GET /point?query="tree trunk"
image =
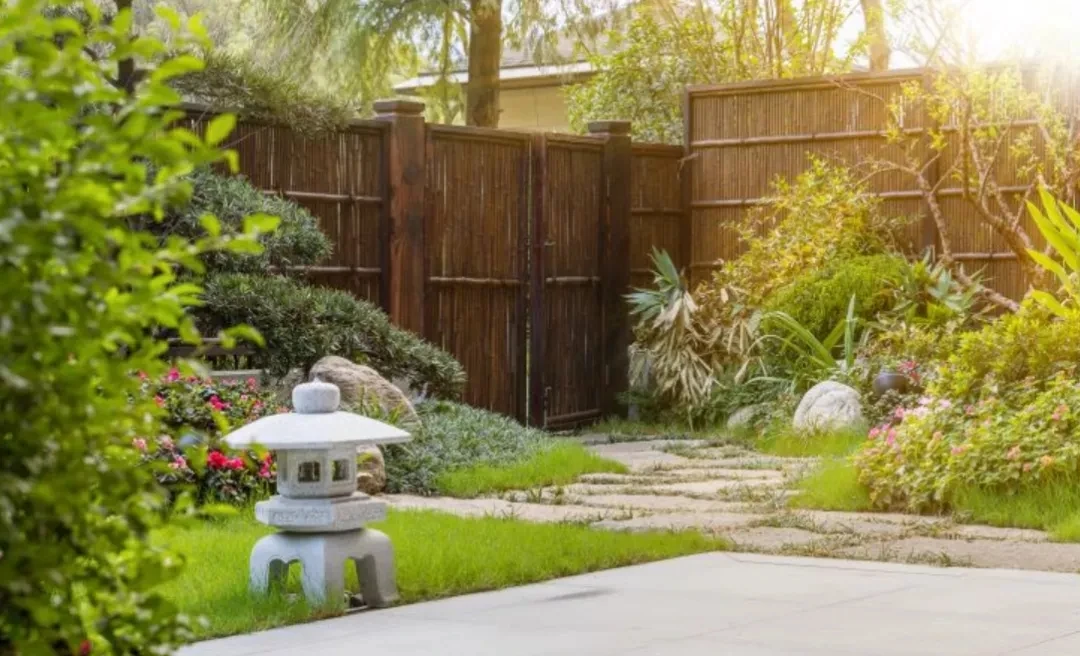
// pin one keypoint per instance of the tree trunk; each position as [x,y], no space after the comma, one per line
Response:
[874,15]
[485,54]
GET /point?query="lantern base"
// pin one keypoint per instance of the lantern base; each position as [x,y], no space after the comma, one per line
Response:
[322,558]
[323,515]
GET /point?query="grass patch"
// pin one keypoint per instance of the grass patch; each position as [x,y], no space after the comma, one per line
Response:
[834,485]
[1053,506]
[786,441]
[561,464]
[619,429]
[438,555]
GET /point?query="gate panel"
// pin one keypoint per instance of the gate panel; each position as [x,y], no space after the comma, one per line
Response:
[475,241]
[567,314]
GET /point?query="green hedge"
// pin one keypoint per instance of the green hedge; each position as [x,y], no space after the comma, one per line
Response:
[298,241]
[819,300]
[301,323]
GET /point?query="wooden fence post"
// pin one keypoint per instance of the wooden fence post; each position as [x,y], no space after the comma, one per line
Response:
[404,258]
[615,259]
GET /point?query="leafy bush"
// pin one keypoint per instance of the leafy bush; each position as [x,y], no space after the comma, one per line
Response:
[301,324]
[1025,436]
[819,300]
[296,242]
[455,436]
[825,215]
[83,296]
[1016,347]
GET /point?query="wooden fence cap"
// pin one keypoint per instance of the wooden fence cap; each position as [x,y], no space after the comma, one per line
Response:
[398,106]
[609,127]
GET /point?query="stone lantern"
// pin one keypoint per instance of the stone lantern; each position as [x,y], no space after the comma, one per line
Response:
[318,508]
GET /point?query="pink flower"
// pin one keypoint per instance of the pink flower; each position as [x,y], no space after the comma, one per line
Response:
[957,450]
[890,437]
[1013,453]
[139,443]
[1059,412]
[142,375]
[174,375]
[178,463]
[217,404]
[166,442]
[160,401]
[874,432]
[925,400]
[235,464]
[945,404]
[969,410]
[898,413]
[251,383]
[191,379]
[1027,466]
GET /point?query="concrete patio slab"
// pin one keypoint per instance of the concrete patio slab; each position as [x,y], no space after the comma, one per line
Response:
[712,604]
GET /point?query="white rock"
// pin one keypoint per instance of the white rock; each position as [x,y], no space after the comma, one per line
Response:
[745,416]
[829,406]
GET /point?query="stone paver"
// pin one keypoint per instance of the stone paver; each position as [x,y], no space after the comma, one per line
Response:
[714,604]
[656,503]
[1043,556]
[712,522]
[534,512]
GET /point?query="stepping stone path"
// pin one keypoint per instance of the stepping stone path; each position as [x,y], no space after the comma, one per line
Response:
[739,494]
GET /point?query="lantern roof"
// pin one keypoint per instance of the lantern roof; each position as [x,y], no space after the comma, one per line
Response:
[316,423]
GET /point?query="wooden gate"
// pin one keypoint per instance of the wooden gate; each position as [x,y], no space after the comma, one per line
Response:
[476,266]
[580,274]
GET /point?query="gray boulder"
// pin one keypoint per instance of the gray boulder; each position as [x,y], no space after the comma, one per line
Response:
[745,416]
[829,406]
[361,385]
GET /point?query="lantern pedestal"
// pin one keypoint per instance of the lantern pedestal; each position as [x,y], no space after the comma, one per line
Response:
[322,558]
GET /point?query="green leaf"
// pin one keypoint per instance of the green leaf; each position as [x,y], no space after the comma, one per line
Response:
[256,224]
[1049,302]
[219,128]
[210,224]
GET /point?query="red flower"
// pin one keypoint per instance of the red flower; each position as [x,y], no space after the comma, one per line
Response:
[174,375]
[235,464]
[160,400]
[85,648]
[217,403]
[216,460]
[142,375]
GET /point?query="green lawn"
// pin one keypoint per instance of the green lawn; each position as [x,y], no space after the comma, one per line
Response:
[562,464]
[1053,506]
[833,485]
[438,555]
[785,441]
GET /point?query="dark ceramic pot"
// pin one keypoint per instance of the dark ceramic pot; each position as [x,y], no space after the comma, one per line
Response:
[889,380]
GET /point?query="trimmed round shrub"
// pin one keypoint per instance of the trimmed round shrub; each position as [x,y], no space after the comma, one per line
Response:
[301,323]
[819,300]
[297,241]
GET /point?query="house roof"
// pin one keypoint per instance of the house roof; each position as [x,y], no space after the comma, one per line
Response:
[560,61]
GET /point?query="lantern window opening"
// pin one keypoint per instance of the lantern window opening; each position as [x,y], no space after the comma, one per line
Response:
[341,470]
[309,472]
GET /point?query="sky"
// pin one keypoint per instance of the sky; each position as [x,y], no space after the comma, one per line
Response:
[1026,27]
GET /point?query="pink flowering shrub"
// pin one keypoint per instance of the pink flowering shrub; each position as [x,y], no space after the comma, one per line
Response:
[198,412]
[1025,435]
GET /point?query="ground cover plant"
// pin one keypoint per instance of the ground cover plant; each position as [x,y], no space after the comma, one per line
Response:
[437,555]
